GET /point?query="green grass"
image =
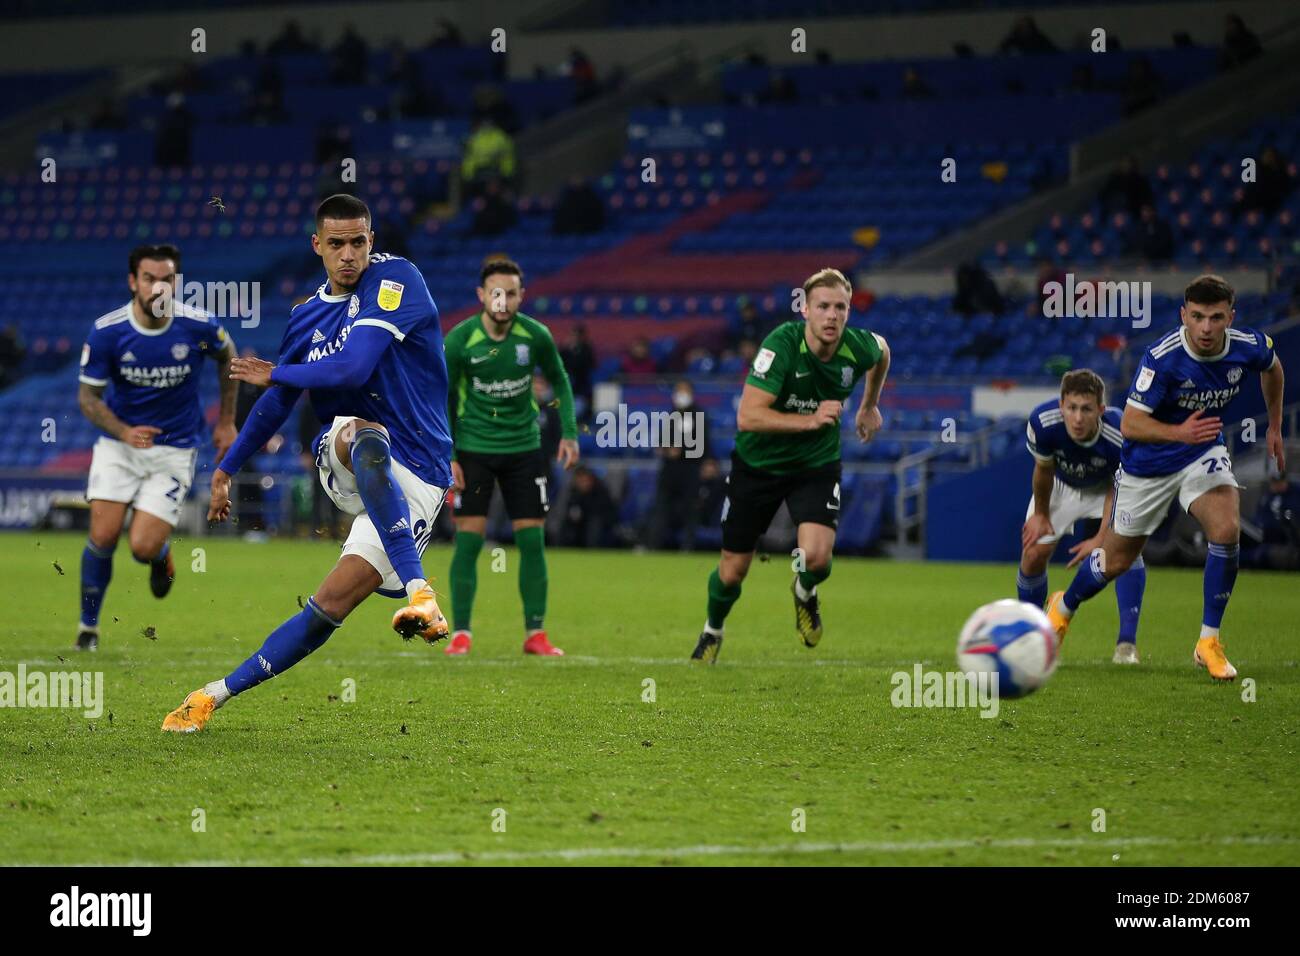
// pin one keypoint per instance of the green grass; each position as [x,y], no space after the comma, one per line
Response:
[710,772]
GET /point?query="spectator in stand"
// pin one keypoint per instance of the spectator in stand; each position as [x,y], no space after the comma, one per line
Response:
[494,211]
[589,512]
[1278,516]
[1025,37]
[489,156]
[12,353]
[976,292]
[915,88]
[580,362]
[1127,190]
[290,40]
[677,491]
[1082,79]
[108,116]
[1047,272]
[348,58]
[1273,184]
[447,37]
[638,360]
[780,89]
[1142,86]
[1240,46]
[583,73]
[173,143]
[710,494]
[580,211]
[1150,237]
[747,350]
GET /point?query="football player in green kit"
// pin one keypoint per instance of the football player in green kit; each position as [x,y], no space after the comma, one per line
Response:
[788,448]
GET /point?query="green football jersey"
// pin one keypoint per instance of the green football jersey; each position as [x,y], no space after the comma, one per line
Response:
[491,386]
[800,381]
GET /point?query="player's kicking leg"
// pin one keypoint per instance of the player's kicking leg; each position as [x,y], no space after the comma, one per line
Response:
[361,476]
[351,581]
[1218,512]
[151,545]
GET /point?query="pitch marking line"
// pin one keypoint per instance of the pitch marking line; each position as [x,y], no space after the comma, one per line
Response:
[606,853]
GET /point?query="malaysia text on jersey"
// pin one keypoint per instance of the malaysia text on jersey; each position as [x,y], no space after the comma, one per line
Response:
[407,391]
[1172,382]
[152,375]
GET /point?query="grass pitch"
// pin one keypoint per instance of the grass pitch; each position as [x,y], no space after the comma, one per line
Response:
[588,769]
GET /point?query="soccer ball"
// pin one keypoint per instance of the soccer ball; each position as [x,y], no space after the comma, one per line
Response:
[1013,639]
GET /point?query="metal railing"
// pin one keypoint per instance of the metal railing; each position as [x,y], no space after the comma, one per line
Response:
[912,477]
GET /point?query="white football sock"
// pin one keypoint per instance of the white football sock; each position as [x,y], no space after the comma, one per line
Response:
[414,585]
[800,593]
[218,691]
[1207,631]
[712,631]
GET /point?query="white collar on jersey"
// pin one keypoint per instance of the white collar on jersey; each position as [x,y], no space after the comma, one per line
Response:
[144,329]
[1187,346]
[326,297]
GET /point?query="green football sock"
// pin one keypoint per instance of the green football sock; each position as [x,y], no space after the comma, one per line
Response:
[464,577]
[721,598]
[532,575]
[810,579]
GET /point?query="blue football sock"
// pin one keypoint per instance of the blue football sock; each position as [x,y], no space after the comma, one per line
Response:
[1032,590]
[1129,588]
[96,572]
[1220,575]
[385,503]
[1087,583]
[287,645]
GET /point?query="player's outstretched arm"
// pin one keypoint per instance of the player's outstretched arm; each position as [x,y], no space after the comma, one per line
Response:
[1273,382]
[756,414]
[1140,426]
[347,368]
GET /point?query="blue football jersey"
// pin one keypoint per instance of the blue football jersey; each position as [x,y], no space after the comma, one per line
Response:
[407,392]
[152,375]
[1172,382]
[1078,464]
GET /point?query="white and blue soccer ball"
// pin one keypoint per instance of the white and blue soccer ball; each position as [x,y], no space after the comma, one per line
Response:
[1012,639]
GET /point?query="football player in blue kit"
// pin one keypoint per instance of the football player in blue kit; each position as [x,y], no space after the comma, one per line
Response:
[147,356]
[368,349]
[1075,441]
[1173,447]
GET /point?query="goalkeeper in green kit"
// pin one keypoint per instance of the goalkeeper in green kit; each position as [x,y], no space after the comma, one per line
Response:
[490,362]
[788,448]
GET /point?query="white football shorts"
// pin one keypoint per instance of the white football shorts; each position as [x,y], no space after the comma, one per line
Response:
[154,480]
[1141,503]
[340,484]
[1068,505]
